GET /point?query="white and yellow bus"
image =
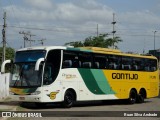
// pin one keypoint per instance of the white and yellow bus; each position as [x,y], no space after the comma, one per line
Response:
[67,74]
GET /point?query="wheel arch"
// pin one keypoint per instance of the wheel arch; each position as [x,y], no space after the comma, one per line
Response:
[72,90]
[131,90]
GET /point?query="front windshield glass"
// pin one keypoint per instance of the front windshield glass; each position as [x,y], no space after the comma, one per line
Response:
[29,56]
[23,69]
[24,75]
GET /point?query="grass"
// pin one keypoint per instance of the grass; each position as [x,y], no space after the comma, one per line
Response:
[2,110]
[19,108]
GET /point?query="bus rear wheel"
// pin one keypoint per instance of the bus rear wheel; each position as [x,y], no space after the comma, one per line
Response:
[141,96]
[69,99]
[132,97]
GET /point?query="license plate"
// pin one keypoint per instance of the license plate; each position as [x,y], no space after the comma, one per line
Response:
[21,98]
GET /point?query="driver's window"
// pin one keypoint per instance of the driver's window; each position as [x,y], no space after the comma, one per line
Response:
[48,74]
[52,66]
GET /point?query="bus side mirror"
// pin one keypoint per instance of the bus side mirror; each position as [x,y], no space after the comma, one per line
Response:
[3,66]
[38,63]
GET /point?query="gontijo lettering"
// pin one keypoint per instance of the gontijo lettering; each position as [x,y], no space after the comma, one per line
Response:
[126,76]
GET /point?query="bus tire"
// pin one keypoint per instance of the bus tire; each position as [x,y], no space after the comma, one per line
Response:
[69,99]
[132,97]
[141,96]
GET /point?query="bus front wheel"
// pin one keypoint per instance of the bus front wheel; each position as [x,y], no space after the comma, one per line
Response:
[69,99]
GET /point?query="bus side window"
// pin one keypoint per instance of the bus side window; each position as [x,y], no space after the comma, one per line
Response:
[87,64]
[99,61]
[147,68]
[126,63]
[153,68]
[76,64]
[67,64]
[114,62]
[135,67]
[85,60]
[112,66]
[96,64]
[48,75]
[153,65]
[138,64]
[126,67]
[70,59]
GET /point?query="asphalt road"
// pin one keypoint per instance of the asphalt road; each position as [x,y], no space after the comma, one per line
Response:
[97,110]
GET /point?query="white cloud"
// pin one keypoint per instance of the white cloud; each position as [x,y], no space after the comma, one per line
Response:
[24,14]
[76,20]
[40,3]
[76,13]
[68,12]
[140,17]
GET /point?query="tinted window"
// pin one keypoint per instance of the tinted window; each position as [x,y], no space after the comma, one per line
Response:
[70,60]
[52,66]
[29,56]
[76,59]
[114,62]
[126,63]
[100,61]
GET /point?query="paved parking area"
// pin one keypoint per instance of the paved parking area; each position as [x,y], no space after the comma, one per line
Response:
[96,110]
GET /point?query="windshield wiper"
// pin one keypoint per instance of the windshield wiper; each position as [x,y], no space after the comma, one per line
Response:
[21,74]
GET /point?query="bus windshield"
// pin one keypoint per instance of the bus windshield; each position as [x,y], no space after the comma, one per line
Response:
[24,75]
[29,56]
[23,70]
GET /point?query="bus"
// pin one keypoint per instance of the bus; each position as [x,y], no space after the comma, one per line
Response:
[50,74]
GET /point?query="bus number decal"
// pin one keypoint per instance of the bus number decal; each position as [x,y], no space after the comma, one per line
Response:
[153,77]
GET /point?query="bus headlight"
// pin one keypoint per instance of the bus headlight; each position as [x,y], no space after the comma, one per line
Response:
[36,93]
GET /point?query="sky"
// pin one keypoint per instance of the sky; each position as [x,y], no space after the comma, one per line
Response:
[62,21]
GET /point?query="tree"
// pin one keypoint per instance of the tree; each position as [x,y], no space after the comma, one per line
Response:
[75,44]
[113,41]
[97,41]
[9,53]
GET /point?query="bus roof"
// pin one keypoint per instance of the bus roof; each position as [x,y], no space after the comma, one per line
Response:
[116,52]
[102,49]
[87,49]
[42,48]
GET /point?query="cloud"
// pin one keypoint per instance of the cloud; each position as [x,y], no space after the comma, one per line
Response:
[41,4]
[145,17]
[76,20]
[64,12]
[24,14]
[90,11]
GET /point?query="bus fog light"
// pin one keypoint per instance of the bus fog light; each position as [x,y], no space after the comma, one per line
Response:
[37,99]
[11,93]
[36,93]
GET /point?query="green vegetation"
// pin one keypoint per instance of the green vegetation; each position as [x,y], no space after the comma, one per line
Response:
[97,41]
[10,52]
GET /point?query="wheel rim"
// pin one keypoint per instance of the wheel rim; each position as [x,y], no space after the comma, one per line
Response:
[68,99]
[132,97]
[133,100]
